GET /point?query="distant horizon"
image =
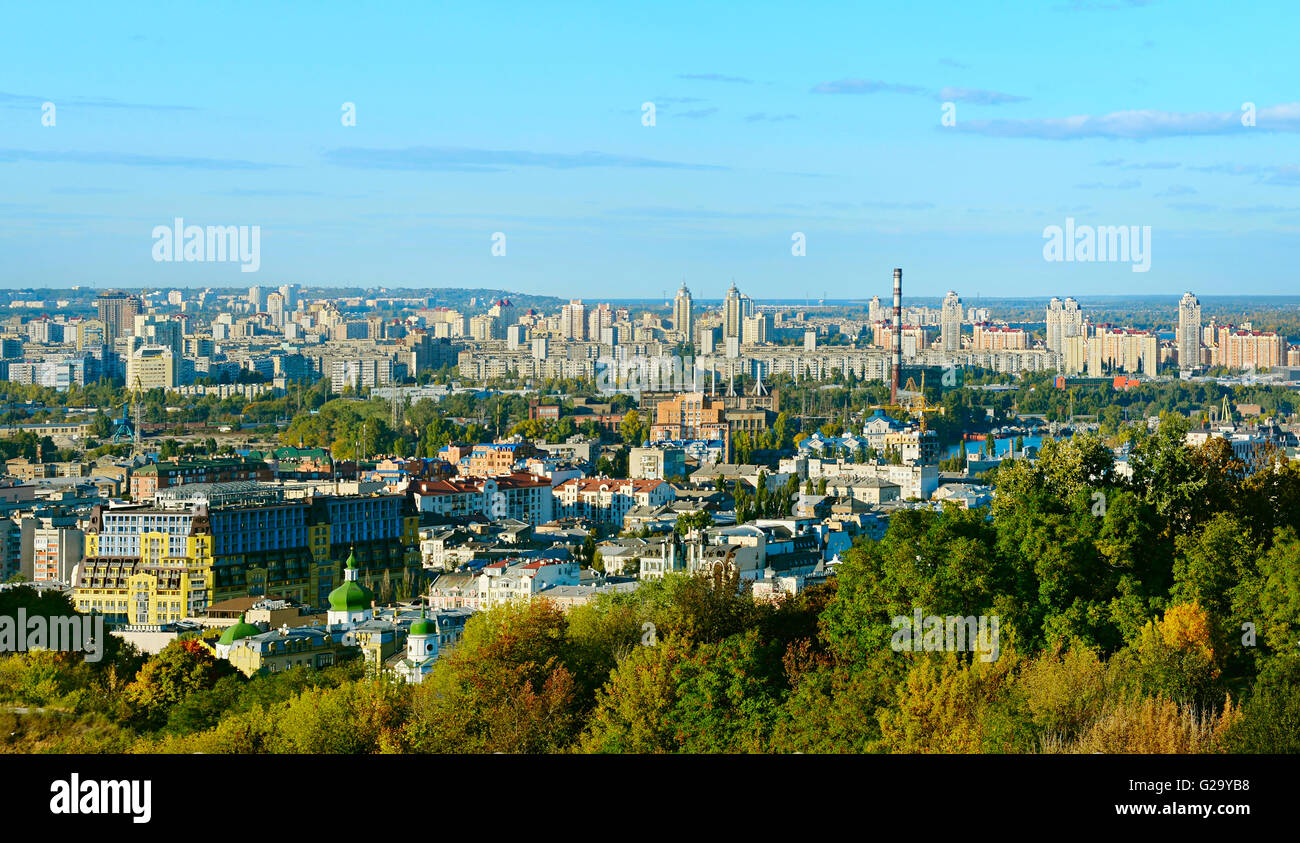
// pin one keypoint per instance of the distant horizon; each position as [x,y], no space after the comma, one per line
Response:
[793,302]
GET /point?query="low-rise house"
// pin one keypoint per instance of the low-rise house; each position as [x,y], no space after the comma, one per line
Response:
[662,556]
[725,475]
[621,555]
[506,580]
[868,489]
[968,495]
[607,500]
[252,651]
[523,497]
[455,590]
[568,596]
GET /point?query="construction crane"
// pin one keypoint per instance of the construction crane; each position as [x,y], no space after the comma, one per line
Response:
[918,404]
[912,400]
[1223,416]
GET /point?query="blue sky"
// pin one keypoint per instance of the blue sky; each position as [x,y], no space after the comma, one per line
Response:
[526,119]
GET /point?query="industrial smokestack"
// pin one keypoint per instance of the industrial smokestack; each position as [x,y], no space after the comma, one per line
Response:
[896,338]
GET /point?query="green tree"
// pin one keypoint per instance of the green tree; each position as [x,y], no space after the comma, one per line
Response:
[505,687]
[181,668]
[632,430]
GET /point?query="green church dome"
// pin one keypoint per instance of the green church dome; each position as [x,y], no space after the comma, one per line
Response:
[423,626]
[233,633]
[351,596]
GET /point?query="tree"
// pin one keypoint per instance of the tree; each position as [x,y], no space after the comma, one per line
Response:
[631,429]
[181,668]
[505,687]
[674,697]
[358,717]
[101,426]
[742,447]
[783,430]
[632,712]
[1172,659]
[689,522]
[937,709]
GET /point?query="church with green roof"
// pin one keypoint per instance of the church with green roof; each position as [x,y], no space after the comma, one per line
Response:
[351,602]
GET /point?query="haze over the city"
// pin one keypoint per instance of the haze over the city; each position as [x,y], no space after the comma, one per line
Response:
[825,121]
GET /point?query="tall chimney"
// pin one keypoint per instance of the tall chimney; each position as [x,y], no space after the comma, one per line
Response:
[896,338]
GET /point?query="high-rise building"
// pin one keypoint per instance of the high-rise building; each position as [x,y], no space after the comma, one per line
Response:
[1243,349]
[90,334]
[506,315]
[735,308]
[52,545]
[360,373]
[1074,354]
[153,367]
[257,299]
[156,330]
[754,329]
[874,312]
[988,337]
[1189,332]
[275,307]
[950,322]
[573,320]
[683,321]
[117,311]
[290,293]
[598,318]
[1054,324]
[1063,320]
[1122,350]
[483,327]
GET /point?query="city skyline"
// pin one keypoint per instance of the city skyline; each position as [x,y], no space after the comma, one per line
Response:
[474,123]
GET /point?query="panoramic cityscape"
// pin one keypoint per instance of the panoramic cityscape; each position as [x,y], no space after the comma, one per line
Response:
[277,479]
[503,383]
